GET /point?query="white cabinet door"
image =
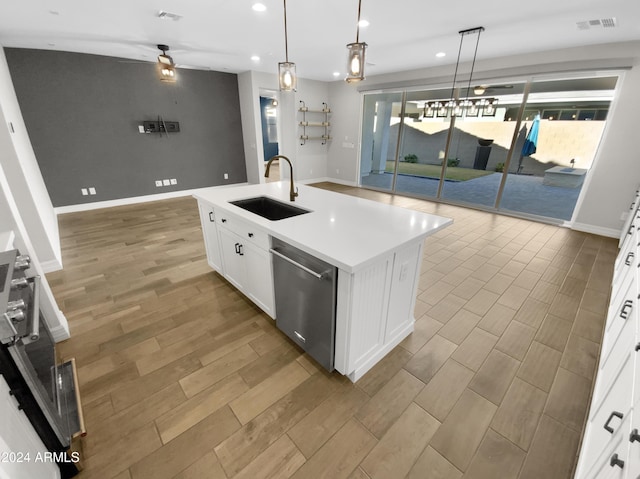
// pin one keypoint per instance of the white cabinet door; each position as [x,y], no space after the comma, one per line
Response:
[19,443]
[234,268]
[259,284]
[210,233]
[607,418]
[403,291]
[248,268]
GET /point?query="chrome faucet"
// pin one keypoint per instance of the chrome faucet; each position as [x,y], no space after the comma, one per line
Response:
[292,192]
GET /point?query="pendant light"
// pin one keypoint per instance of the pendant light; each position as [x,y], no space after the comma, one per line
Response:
[355,58]
[166,67]
[287,70]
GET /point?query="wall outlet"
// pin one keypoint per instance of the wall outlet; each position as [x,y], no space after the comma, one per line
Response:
[141,129]
[226,176]
[84,192]
[337,171]
[174,181]
[166,182]
[92,191]
[158,183]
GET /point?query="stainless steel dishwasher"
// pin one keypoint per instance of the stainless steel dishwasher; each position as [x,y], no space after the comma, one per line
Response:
[305,290]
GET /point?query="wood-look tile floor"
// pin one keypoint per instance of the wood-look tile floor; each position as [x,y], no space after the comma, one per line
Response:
[182,377]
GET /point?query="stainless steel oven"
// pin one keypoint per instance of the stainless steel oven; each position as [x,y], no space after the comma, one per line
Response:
[44,389]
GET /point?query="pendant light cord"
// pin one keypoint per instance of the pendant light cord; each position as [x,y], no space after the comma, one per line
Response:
[473,63]
[455,73]
[358,24]
[286,44]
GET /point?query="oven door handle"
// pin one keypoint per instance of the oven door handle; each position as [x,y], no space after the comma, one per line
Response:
[33,322]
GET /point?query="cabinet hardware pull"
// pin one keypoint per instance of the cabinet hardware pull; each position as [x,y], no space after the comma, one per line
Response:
[637,347]
[224,220]
[299,336]
[211,216]
[250,235]
[628,259]
[611,416]
[624,312]
[240,252]
[237,248]
[615,461]
[634,436]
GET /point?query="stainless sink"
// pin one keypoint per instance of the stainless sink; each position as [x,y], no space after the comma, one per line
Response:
[269,208]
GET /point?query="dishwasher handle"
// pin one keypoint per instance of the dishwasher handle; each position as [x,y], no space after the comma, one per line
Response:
[297,265]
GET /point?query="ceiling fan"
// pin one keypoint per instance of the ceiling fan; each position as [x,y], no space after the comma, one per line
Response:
[481,89]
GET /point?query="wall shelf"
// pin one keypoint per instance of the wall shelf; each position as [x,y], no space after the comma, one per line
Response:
[318,123]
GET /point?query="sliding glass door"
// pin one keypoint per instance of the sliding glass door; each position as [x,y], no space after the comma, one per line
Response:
[523,147]
[380,133]
[480,143]
[559,133]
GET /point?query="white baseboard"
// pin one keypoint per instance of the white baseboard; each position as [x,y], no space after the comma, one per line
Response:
[596,230]
[60,333]
[133,200]
[330,180]
[51,265]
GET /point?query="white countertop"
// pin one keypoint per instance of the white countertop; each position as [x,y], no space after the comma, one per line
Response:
[346,231]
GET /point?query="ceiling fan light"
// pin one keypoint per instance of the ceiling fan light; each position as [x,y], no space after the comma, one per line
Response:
[287,76]
[355,62]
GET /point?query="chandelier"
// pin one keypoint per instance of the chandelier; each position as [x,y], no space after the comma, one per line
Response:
[469,107]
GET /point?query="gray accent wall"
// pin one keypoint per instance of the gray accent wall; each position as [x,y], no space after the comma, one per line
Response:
[82,114]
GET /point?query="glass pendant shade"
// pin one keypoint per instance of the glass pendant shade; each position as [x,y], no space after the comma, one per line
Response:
[167,72]
[287,76]
[355,62]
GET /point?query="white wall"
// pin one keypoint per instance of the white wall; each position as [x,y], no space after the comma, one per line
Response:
[309,160]
[342,164]
[616,170]
[615,174]
[25,180]
[10,220]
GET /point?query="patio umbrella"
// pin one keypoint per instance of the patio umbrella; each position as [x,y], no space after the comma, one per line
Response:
[531,142]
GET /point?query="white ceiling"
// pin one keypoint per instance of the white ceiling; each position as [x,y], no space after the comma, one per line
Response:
[224,34]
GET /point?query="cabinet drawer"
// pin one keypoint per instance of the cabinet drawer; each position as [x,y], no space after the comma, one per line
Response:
[622,309]
[627,258]
[244,230]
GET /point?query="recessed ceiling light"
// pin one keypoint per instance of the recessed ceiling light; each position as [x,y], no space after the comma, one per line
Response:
[54,12]
[441,54]
[255,58]
[259,7]
[336,74]
[363,23]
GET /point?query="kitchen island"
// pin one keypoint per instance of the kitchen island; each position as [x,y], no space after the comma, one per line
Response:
[377,249]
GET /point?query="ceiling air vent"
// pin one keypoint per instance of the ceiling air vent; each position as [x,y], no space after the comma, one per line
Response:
[169,16]
[597,23]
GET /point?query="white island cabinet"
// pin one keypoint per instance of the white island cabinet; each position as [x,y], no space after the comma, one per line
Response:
[377,249]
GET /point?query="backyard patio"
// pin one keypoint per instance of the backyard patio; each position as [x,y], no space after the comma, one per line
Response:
[522,193]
